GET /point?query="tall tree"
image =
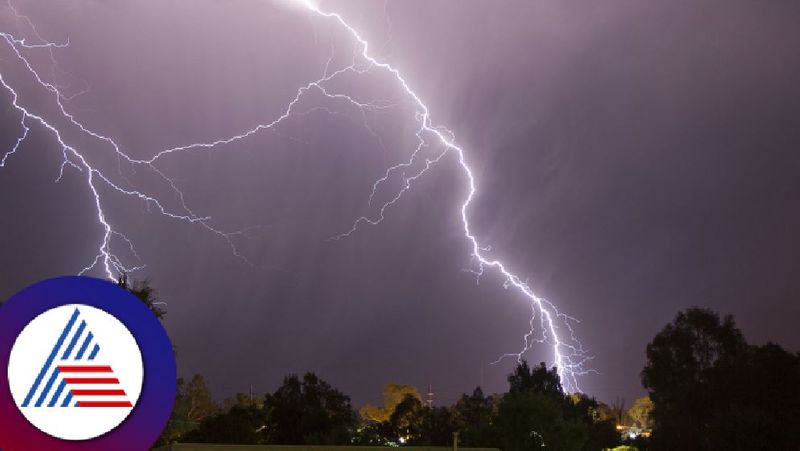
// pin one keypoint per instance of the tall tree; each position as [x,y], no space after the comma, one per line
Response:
[406,422]
[619,413]
[393,394]
[711,390]
[308,412]
[536,413]
[194,399]
[193,405]
[537,380]
[477,414]
[684,362]
[437,426]
[640,412]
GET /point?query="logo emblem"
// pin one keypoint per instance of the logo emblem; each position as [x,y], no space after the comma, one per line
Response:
[75,372]
[88,367]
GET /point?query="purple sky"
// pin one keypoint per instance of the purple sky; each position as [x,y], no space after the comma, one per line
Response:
[632,158]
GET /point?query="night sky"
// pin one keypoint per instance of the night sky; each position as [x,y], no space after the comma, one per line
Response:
[632,159]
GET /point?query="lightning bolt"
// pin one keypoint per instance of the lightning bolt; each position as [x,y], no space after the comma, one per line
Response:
[548,326]
[106,257]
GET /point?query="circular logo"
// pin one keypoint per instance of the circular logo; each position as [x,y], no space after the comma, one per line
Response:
[75,372]
[88,366]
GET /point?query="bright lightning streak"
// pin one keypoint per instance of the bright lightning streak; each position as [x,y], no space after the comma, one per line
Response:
[569,355]
[73,157]
[555,328]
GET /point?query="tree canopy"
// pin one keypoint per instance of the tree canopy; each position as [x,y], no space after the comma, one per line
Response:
[538,380]
[146,293]
[641,411]
[308,411]
[536,413]
[711,390]
[393,394]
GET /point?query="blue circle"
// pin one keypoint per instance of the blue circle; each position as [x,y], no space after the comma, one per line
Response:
[154,407]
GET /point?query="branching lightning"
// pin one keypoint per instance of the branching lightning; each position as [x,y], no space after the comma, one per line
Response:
[548,326]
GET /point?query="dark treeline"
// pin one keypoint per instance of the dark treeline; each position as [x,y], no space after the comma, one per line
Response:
[535,412]
[708,389]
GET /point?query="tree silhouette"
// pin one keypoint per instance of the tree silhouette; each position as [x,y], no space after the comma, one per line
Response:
[682,361]
[535,413]
[640,412]
[308,411]
[476,413]
[146,293]
[239,425]
[406,421]
[193,405]
[711,390]
[393,394]
[537,380]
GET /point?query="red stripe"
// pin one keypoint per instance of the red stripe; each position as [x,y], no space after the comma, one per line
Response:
[104,404]
[84,369]
[91,380]
[98,392]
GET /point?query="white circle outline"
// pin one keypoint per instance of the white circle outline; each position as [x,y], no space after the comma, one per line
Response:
[118,349]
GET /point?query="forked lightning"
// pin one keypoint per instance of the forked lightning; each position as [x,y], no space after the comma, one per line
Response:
[547,325]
